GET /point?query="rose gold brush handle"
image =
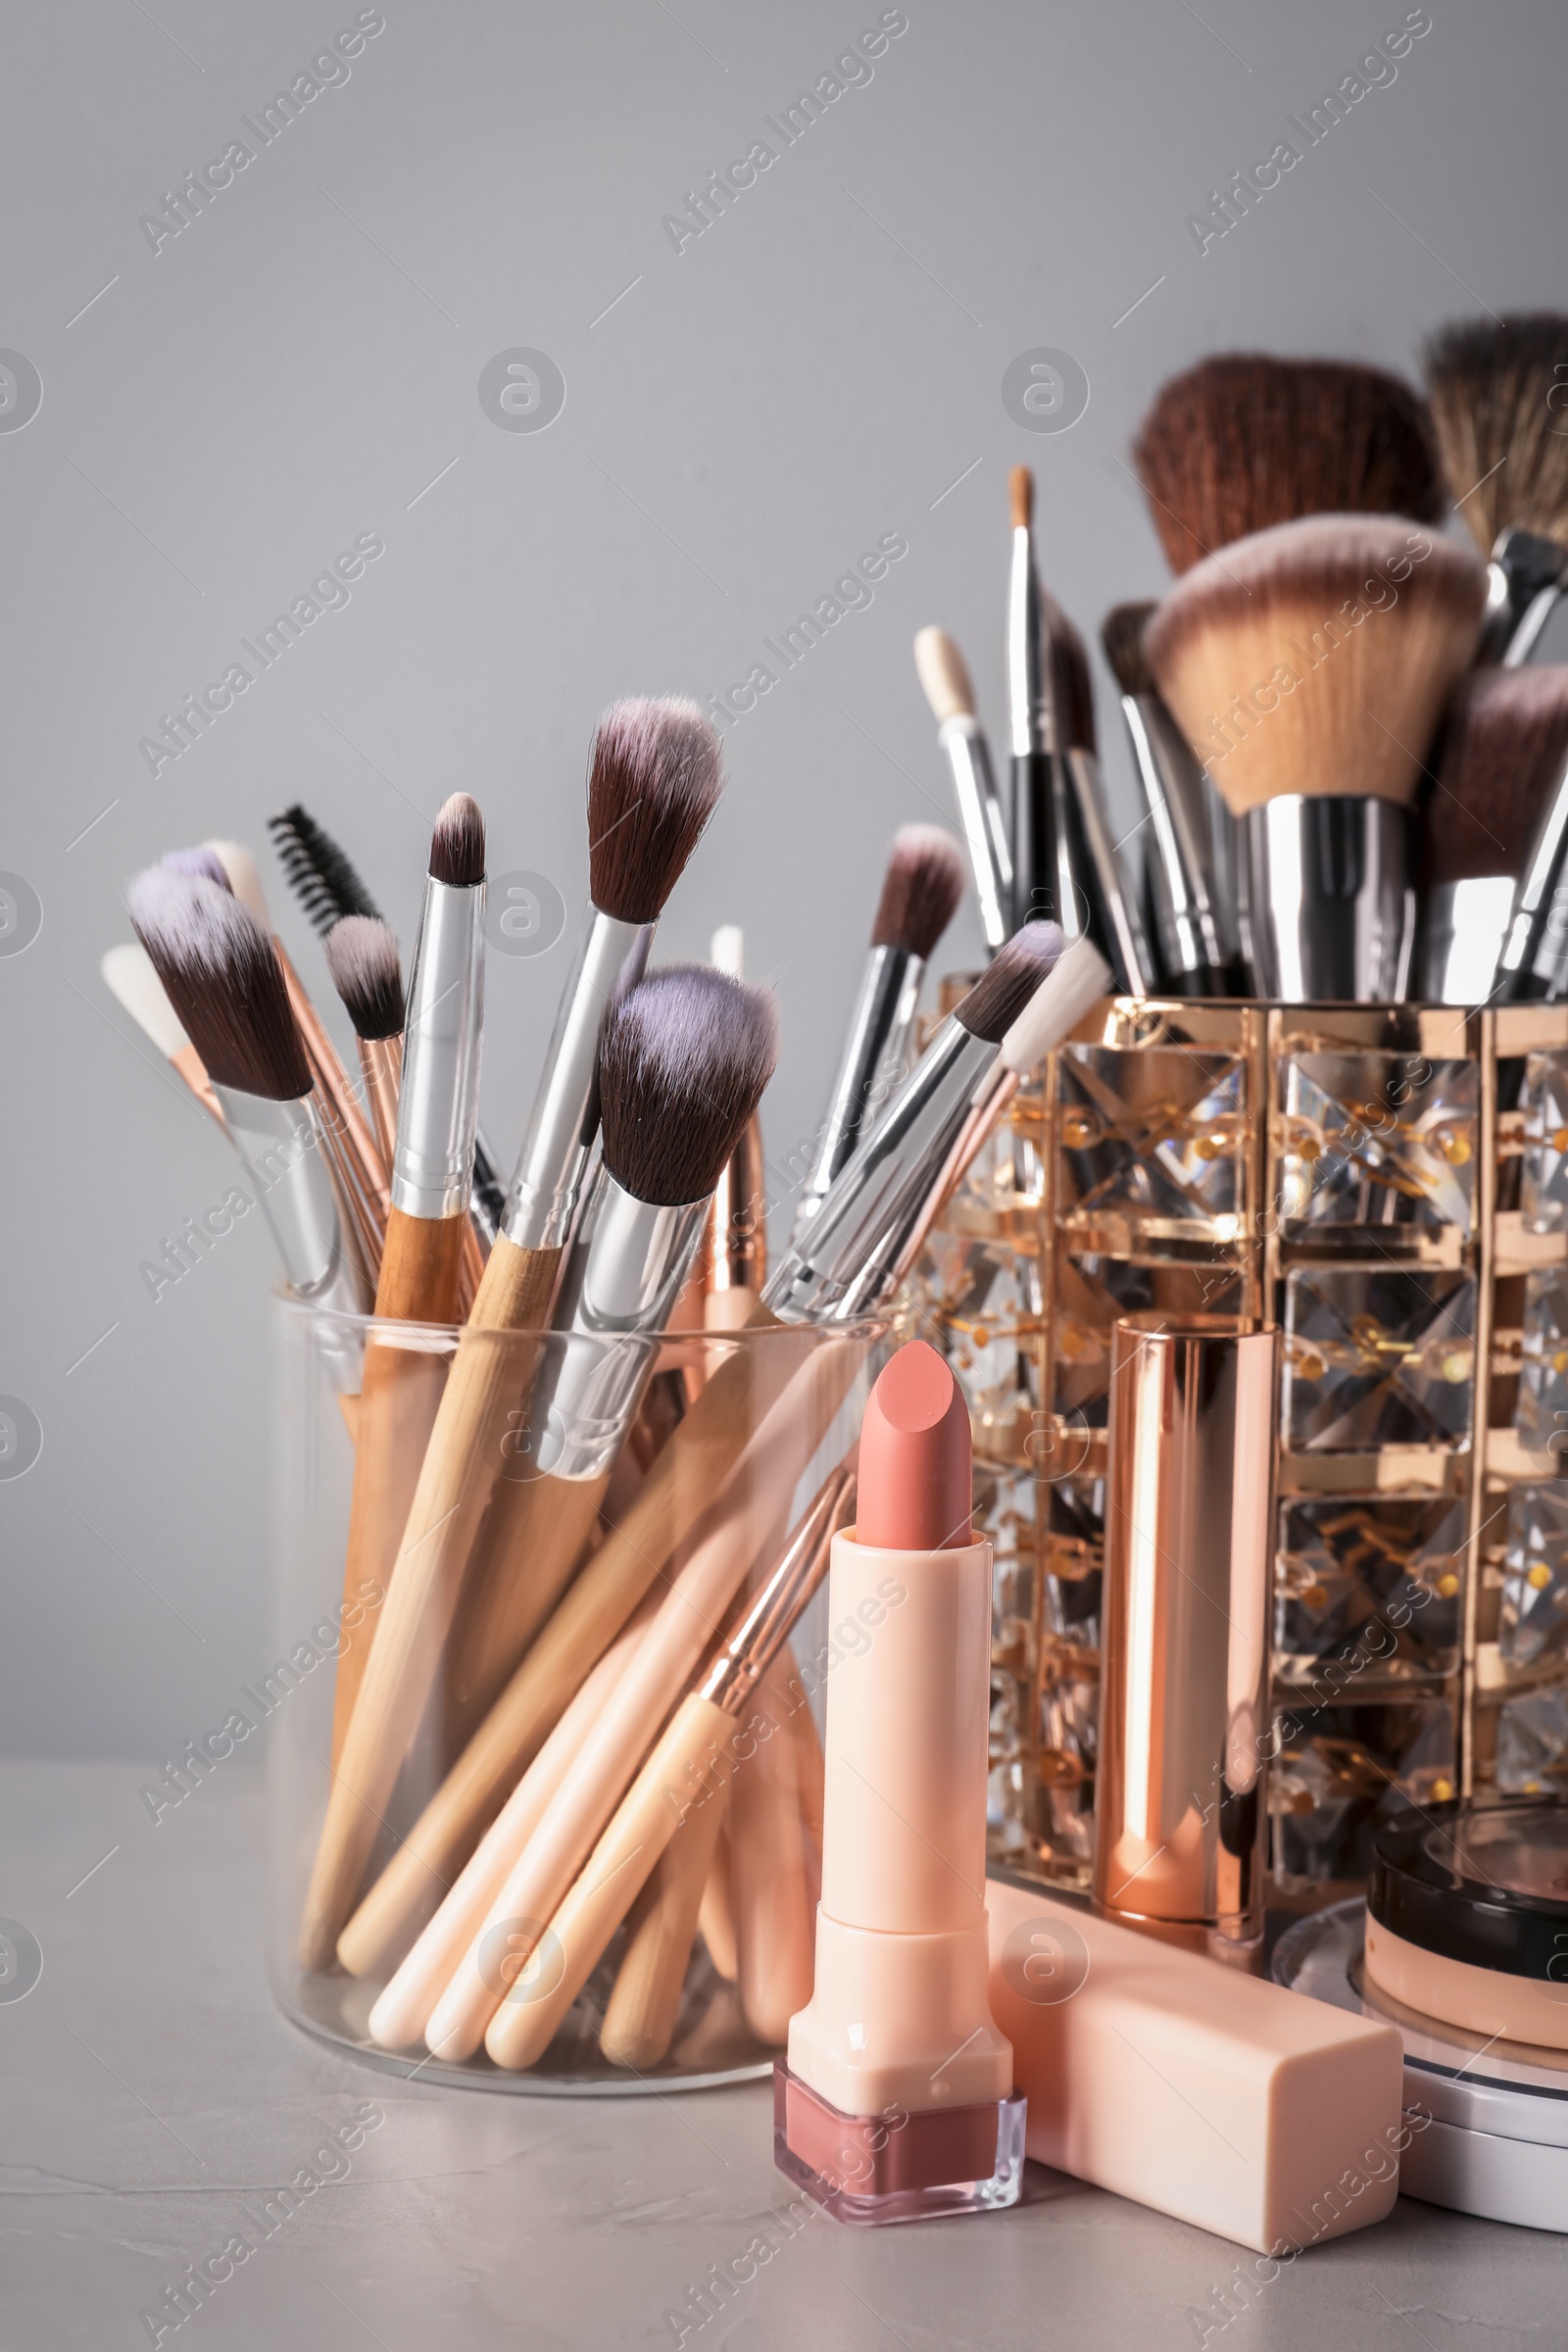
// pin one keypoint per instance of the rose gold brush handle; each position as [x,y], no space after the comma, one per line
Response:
[640,2021]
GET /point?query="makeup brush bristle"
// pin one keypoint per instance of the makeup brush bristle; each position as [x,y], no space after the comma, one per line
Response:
[221,972]
[653,781]
[457,845]
[1071,682]
[242,877]
[1500,432]
[362,956]
[1504,744]
[683,1059]
[944,674]
[1021,497]
[1121,633]
[1316,657]
[202,861]
[1002,991]
[1245,440]
[921,890]
[319,876]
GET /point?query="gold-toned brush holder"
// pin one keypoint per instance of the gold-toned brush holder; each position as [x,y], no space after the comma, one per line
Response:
[1389,1186]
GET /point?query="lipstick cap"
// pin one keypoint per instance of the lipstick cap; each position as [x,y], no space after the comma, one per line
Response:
[1184,1722]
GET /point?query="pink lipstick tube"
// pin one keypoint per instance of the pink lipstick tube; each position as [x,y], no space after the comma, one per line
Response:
[897,2102]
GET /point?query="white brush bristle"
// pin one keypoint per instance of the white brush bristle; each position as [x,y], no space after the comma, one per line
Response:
[129,975]
[243,879]
[727,951]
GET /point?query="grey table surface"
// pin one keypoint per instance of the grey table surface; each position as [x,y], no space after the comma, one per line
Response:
[154,2098]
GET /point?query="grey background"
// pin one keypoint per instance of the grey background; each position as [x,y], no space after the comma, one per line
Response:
[820,368]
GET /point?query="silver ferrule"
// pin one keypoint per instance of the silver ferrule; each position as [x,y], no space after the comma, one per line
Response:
[985,829]
[1120,924]
[1524,581]
[1024,687]
[623,1278]
[874,1060]
[1328,907]
[438,1106]
[1534,947]
[855,1251]
[1177,860]
[1462,928]
[565,1118]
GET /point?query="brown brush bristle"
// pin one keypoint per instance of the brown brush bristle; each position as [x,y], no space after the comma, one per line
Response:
[457,845]
[683,1059]
[921,890]
[1021,497]
[1071,698]
[653,781]
[222,974]
[362,956]
[1121,633]
[1497,401]
[1002,991]
[1504,746]
[1243,440]
[1317,657]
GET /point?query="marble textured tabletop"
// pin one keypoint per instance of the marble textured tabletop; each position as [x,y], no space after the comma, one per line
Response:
[154,2101]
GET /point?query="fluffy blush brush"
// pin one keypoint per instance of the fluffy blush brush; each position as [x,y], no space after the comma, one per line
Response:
[1308,667]
[1500,401]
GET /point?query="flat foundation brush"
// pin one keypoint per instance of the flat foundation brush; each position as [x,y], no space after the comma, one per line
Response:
[222,977]
[1308,666]
[945,676]
[920,893]
[1245,440]
[1497,392]
[1504,740]
[328,888]
[654,780]
[427,1223]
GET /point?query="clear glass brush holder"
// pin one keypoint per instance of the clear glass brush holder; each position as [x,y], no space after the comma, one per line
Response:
[488,1606]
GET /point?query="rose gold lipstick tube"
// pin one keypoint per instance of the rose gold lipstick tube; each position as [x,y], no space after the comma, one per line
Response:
[1185,1735]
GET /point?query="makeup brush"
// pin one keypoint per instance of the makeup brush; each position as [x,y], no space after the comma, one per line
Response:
[1178,859]
[733,1261]
[129,975]
[427,1223]
[944,678]
[1109,910]
[328,888]
[760,1418]
[222,977]
[358,1171]
[1039,888]
[1505,743]
[362,956]
[1499,389]
[683,1059]
[920,893]
[692,1764]
[1245,440]
[1308,666]
[1533,965]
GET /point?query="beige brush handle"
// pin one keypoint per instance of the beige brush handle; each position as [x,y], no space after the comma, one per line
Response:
[692,1758]
[378,1941]
[400,1396]
[749,1511]
[803,1385]
[640,2021]
[715,1920]
[534,1535]
[768,1865]
[454,1485]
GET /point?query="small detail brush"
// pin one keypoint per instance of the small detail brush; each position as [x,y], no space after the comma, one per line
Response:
[362,956]
[920,893]
[1245,440]
[1038,891]
[1308,666]
[1178,856]
[945,676]
[733,1264]
[1504,746]
[1109,910]
[1498,391]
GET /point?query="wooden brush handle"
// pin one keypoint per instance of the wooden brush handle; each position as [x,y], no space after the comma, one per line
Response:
[534,1535]
[769,1874]
[459,1466]
[715,1919]
[399,1400]
[691,1757]
[640,2021]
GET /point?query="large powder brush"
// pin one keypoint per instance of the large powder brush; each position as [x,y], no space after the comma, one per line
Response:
[1499,392]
